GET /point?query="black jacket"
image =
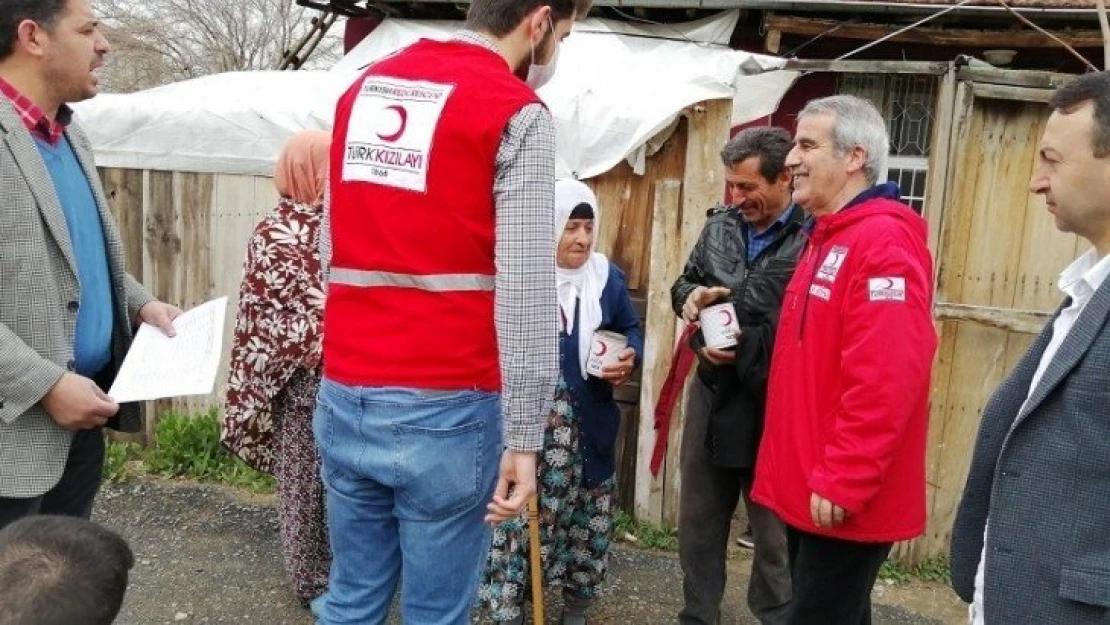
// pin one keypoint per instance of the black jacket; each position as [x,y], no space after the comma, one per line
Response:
[720,258]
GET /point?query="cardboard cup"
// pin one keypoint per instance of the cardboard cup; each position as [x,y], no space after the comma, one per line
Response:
[605,350]
[719,325]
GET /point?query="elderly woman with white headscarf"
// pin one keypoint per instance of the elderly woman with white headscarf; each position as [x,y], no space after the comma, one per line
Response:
[576,472]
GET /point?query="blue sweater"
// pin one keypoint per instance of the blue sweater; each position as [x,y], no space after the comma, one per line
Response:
[92,348]
[599,418]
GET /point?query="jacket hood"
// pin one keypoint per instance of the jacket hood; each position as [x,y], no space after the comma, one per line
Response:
[883,199]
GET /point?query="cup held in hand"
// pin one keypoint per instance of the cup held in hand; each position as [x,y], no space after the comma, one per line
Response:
[605,350]
[719,325]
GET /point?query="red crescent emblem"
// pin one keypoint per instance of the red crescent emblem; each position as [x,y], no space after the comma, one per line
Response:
[601,348]
[404,119]
[727,316]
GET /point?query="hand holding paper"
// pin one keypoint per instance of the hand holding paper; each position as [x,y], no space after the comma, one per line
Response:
[158,366]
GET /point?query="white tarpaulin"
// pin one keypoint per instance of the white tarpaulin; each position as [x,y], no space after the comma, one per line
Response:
[616,87]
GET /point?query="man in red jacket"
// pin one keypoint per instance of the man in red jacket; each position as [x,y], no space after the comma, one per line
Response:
[843,455]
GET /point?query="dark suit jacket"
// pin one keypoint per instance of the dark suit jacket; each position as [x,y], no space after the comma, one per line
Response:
[1043,477]
[38,295]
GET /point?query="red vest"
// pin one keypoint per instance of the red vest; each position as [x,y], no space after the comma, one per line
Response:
[410,297]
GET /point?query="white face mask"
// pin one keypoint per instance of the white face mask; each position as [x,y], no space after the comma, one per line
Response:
[540,75]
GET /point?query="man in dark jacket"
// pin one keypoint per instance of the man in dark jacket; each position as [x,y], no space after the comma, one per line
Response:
[746,254]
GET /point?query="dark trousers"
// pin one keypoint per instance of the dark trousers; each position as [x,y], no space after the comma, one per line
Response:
[708,498]
[832,578]
[73,495]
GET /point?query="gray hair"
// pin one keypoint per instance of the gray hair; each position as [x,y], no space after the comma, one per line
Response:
[856,123]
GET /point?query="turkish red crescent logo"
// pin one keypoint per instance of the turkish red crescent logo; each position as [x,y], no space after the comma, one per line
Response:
[404,122]
[601,348]
[727,317]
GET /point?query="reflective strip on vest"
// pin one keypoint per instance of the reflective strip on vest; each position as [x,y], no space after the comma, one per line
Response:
[439,282]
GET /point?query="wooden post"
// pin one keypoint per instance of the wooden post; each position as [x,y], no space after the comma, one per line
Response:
[665,263]
[196,214]
[703,187]
[161,253]
[1104,26]
[195,193]
[535,555]
[123,189]
[677,221]
[773,41]
[940,152]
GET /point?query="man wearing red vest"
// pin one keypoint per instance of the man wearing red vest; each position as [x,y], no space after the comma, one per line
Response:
[842,460]
[440,356]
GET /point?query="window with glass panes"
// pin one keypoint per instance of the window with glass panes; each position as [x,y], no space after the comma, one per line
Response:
[906,102]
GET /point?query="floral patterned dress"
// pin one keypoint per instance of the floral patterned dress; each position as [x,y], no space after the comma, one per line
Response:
[576,525]
[274,375]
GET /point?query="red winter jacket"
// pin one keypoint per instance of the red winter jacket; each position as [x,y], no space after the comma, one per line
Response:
[848,396]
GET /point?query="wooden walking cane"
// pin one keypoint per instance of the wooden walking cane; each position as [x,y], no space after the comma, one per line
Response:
[536,559]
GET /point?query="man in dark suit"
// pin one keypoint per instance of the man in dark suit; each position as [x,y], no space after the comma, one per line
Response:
[1031,542]
[67,306]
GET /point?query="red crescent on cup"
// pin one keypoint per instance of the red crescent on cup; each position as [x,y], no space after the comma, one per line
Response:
[601,348]
[728,317]
[404,118]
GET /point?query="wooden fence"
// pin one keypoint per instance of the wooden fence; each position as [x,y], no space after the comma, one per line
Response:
[998,257]
[186,235]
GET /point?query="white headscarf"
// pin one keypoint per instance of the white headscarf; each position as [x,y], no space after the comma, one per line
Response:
[586,283]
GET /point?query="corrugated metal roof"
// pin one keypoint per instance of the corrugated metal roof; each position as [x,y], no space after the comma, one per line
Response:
[1062,7]
[734,4]
[1033,4]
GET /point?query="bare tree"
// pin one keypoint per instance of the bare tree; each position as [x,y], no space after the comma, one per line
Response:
[161,41]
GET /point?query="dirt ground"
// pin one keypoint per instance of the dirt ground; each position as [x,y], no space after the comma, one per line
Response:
[208,554]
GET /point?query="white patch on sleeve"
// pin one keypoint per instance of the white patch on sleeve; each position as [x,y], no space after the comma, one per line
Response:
[389,134]
[891,289]
[832,264]
[820,292]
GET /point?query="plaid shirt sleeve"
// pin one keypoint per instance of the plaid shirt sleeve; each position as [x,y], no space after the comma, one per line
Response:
[325,236]
[526,302]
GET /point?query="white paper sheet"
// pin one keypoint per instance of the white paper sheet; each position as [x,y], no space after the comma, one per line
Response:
[158,366]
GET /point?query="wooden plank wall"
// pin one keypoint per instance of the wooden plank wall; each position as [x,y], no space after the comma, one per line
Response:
[999,250]
[672,236]
[185,235]
[627,207]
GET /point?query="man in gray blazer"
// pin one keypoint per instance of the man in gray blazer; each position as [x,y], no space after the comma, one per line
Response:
[1031,542]
[67,306]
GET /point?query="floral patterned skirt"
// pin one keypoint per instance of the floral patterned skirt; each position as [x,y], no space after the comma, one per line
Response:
[301,515]
[576,526]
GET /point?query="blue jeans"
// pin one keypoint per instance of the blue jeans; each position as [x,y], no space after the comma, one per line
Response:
[408,475]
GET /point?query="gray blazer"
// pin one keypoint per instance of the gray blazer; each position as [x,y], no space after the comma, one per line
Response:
[1043,476]
[38,304]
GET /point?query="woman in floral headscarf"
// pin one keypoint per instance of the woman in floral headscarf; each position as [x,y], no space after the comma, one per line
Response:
[576,469]
[275,360]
